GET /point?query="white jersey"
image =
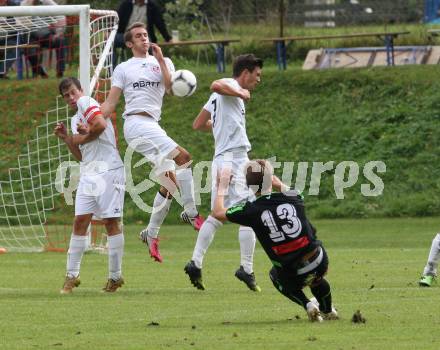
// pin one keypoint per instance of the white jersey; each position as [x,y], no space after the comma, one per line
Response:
[141,81]
[101,150]
[228,121]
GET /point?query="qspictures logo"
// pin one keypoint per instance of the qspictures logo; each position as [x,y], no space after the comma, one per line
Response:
[297,175]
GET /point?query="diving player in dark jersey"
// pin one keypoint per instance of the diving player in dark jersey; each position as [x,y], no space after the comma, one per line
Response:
[288,238]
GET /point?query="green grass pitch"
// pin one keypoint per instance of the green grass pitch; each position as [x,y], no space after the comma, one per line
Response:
[374,268]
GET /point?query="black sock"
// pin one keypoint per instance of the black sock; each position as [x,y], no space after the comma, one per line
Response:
[296,295]
[323,294]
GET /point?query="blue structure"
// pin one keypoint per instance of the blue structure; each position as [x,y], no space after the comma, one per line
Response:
[431,10]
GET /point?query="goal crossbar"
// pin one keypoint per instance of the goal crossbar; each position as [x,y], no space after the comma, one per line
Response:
[58,10]
[84,12]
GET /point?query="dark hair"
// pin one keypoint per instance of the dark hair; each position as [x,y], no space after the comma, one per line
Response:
[67,82]
[247,61]
[259,175]
[128,36]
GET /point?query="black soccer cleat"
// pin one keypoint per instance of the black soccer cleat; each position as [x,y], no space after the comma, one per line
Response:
[194,274]
[248,279]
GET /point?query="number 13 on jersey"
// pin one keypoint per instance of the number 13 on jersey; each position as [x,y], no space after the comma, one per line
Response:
[286,212]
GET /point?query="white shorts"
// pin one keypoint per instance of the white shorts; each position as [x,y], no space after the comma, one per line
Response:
[102,194]
[144,135]
[238,191]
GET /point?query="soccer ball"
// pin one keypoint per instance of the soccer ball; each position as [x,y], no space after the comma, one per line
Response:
[183,83]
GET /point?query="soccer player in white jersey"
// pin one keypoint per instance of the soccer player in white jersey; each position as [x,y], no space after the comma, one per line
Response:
[224,114]
[144,79]
[430,270]
[101,184]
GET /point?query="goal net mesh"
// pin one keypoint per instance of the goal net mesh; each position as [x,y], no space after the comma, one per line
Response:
[34,215]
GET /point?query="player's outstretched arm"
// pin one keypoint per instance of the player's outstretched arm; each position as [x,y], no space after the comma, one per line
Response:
[222,87]
[278,185]
[203,121]
[61,132]
[109,105]
[223,180]
[219,211]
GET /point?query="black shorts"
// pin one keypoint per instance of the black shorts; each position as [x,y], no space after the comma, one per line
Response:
[292,278]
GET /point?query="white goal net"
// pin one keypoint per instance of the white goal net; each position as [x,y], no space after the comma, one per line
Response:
[34,215]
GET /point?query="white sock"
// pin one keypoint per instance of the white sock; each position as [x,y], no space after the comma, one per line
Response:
[77,246]
[185,180]
[161,206]
[433,258]
[204,239]
[247,239]
[115,253]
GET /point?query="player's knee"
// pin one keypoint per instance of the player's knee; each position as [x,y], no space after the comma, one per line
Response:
[165,192]
[183,157]
[320,287]
[80,224]
[316,282]
[112,226]
[273,275]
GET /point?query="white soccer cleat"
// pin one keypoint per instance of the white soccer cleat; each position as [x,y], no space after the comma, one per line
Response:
[332,315]
[313,312]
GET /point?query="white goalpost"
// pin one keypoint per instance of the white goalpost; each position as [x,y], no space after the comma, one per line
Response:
[33,214]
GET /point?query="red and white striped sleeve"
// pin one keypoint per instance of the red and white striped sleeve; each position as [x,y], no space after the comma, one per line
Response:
[89,108]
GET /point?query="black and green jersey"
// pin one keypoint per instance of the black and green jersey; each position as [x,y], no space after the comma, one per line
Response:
[280,224]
